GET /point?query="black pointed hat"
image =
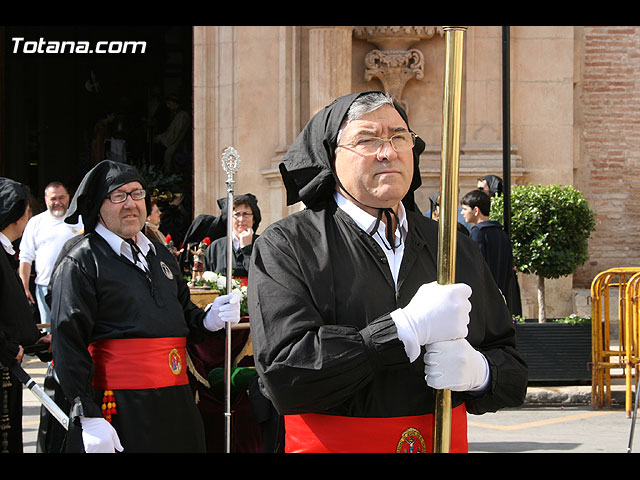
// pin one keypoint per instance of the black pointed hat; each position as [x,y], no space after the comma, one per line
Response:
[101,180]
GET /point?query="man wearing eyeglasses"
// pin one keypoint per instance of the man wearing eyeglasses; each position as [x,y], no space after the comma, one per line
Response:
[246,219]
[351,333]
[121,316]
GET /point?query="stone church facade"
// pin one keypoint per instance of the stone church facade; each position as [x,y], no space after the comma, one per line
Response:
[573,105]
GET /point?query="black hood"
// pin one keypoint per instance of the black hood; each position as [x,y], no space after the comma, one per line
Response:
[253,204]
[13,201]
[101,180]
[307,168]
[494,183]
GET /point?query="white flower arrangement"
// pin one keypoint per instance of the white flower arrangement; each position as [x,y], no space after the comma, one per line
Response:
[217,281]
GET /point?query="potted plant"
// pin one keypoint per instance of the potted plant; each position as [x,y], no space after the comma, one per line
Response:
[550,228]
[558,351]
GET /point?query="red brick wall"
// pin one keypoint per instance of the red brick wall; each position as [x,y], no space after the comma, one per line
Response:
[608,171]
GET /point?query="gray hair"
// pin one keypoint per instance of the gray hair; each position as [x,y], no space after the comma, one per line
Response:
[363,105]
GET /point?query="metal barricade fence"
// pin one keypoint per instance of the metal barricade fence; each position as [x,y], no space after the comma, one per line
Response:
[611,359]
[632,339]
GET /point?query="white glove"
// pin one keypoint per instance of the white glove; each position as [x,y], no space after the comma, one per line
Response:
[435,313]
[224,309]
[455,365]
[99,436]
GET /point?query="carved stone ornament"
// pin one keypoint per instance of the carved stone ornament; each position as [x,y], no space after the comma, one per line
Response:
[393,63]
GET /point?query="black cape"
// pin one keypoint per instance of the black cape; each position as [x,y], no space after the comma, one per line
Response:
[320,295]
[17,324]
[97,294]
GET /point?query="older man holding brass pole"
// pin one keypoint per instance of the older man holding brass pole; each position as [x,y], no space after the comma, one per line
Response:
[352,334]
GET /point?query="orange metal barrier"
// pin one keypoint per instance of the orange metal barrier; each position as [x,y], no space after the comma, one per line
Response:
[632,339]
[623,356]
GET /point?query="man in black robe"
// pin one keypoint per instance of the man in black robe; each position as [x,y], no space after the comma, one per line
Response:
[17,325]
[493,241]
[351,333]
[121,317]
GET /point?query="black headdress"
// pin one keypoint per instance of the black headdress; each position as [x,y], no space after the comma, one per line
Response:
[101,180]
[308,169]
[13,201]
[253,204]
[494,183]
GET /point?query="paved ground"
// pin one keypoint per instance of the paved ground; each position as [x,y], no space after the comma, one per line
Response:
[540,429]
[565,426]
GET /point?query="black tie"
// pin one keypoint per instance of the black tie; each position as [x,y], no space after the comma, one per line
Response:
[134,250]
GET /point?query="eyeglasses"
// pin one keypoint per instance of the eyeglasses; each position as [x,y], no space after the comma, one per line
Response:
[239,215]
[401,142]
[119,197]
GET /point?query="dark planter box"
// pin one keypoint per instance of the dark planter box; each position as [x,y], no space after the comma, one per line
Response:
[556,353]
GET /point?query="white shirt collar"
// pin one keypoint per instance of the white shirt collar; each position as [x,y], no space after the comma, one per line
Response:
[6,244]
[120,246]
[365,220]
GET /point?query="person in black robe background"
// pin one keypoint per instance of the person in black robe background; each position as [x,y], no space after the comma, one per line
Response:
[491,238]
[102,302]
[17,325]
[492,186]
[215,259]
[327,310]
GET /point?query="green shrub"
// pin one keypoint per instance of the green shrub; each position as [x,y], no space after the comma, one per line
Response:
[550,229]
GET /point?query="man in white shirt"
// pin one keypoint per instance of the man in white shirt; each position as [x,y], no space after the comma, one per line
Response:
[42,241]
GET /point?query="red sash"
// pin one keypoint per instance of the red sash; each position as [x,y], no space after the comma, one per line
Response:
[139,363]
[316,433]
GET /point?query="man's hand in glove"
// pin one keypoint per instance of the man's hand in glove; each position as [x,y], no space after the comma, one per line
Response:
[224,309]
[435,313]
[98,436]
[455,365]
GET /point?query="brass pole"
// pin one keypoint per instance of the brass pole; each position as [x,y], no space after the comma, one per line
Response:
[448,222]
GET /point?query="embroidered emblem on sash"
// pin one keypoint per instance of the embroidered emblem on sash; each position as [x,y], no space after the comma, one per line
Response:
[166,270]
[411,441]
[175,362]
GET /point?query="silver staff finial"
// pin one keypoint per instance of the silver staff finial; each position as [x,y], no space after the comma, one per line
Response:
[230,161]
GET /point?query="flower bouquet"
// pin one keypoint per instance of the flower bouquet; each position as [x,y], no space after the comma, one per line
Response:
[217,281]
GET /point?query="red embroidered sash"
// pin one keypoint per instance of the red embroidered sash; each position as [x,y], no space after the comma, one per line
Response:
[139,363]
[316,433]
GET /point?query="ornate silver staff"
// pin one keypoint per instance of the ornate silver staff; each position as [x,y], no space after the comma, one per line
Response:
[448,223]
[230,164]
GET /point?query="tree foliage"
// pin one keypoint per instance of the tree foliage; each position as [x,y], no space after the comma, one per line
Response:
[550,228]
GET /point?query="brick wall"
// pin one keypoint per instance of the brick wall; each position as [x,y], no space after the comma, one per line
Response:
[608,171]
